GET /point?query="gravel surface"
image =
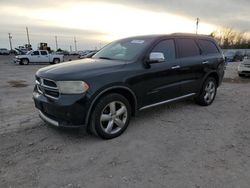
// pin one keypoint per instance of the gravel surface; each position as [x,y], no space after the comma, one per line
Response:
[177,145]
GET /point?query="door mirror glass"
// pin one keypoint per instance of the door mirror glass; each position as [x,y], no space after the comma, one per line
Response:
[156,57]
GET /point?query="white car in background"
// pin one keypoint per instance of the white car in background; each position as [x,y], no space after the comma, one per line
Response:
[38,56]
[244,67]
[4,51]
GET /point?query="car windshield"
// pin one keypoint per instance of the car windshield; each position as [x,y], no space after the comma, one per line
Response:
[125,50]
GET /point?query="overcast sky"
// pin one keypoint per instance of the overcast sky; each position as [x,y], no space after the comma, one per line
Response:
[95,23]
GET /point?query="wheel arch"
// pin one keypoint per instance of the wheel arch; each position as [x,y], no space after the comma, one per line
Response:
[56,58]
[23,59]
[213,74]
[122,90]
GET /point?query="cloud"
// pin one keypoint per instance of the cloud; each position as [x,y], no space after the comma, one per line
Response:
[227,13]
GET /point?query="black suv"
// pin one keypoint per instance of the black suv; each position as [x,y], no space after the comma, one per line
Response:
[128,75]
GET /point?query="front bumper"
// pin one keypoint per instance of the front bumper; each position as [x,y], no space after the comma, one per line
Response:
[48,119]
[68,111]
[17,61]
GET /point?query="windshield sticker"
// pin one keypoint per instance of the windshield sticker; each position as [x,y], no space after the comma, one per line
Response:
[137,41]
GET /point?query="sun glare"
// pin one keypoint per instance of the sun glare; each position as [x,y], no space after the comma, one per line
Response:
[114,21]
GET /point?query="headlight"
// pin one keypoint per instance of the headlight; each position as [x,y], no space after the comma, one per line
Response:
[72,87]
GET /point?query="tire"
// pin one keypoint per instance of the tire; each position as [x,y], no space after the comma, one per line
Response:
[241,75]
[105,122]
[56,60]
[24,62]
[208,92]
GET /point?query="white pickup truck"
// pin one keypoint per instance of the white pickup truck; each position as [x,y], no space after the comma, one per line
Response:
[38,56]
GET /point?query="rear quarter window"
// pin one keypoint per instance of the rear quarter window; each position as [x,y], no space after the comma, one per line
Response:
[208,47]
[187,48]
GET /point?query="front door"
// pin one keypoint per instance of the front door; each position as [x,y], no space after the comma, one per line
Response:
[159,82]
[35,57]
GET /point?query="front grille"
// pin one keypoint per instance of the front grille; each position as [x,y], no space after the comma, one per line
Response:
[47,88]
[49,83]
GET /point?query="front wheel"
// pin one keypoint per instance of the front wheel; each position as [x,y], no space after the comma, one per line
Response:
[24,62]
[208,92]
[111,116]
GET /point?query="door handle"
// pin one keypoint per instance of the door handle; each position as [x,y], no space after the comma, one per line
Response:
[205,62]
[176,67]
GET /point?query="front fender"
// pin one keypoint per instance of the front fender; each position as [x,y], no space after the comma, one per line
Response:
[107,89]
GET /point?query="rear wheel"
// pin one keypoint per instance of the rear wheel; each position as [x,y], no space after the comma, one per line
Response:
[111,116]
[56,60]
[208,92]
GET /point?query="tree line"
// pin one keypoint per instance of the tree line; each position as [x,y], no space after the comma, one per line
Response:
[229,38]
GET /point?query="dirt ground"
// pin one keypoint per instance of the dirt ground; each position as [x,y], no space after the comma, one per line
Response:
[177,146]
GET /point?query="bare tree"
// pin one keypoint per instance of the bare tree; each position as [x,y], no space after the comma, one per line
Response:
[229,38]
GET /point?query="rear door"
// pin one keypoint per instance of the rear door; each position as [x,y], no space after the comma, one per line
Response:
[191,67]
[211,55]
[44,56]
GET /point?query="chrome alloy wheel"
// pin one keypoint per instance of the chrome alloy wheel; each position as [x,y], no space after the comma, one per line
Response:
[210,90]
[113,117]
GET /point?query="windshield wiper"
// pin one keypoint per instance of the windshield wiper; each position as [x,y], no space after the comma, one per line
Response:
[105,58]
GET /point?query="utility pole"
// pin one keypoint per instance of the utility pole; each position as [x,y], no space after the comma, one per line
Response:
[28,37]
[56,43]
[197,25]
[10,38]
[75,43]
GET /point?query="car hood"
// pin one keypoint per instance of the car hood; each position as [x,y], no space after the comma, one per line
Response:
[79,69]
[21,55]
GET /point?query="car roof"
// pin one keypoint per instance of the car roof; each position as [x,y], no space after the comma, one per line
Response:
[175,35]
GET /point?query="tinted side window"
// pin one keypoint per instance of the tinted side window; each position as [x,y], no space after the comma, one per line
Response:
[44,53]
[208,47]
[188,48]
[167,47]
[36,53]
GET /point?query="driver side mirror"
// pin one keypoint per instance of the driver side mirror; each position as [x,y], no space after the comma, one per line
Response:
[156,57]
